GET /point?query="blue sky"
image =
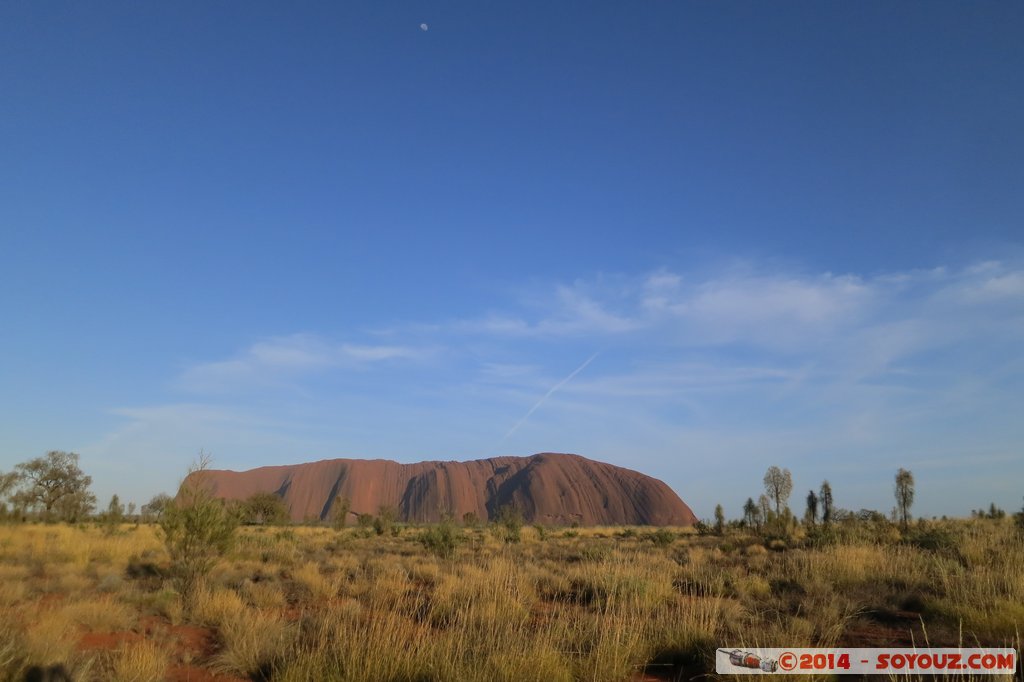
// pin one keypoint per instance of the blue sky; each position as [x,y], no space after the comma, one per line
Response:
[691,238]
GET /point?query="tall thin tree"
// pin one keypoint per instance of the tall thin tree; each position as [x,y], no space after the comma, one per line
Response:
[751,514]
[766,507]
[811,515]
[904,491]
[825,498]
[778,483]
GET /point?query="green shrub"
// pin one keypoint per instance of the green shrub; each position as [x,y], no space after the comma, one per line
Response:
[703,528]
[822,536]
[197,529]
[114,517]
[263,509]
[385,522]
[935,539]
[339,512]
[442,539]
[509,524]
[662,537]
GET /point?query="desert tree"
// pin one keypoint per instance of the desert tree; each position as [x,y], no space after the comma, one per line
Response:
[197,528]
[339,512]
[825,499]
[778,484]
[904,491]
[719,519]
[7,482]
[385,521]
[114,515]
[115,510]
[156,506]
[751,514]
[811,515]
[57,485]
[766,508]
[264,509]
[509,523]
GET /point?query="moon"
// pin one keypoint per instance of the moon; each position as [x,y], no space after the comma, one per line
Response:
[424,27]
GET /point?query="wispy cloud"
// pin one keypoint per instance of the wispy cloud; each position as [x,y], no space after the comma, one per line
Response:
[273,361]
[565,311]
[700,376]
[783,312]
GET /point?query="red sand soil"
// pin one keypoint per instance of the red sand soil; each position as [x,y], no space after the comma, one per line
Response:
[191,647]
[892,628]
[546,488]
[107,641]
[193,673]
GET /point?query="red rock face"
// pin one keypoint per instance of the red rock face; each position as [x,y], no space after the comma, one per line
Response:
[547,488]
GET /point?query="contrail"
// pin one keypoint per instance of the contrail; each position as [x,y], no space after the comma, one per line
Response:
[547,395]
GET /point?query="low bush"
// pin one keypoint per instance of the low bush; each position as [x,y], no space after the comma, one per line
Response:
[509,524]
[197,529]
[662,537]
[442,539]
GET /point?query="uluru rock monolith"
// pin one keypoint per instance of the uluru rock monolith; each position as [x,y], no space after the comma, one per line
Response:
[547,488]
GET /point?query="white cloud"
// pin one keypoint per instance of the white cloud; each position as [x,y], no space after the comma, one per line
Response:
[703,374]
[379,353]
[272,362]
[567,311]
[895,313]
[676,379]
[775,311]
[746,307]
[998,287]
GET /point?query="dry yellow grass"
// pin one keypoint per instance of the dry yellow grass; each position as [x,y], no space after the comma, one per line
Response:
[12,592]
[217,607]
[265,594]
[581,604]
[102,614]
[316,585]
[139,662]
[49,639]
[254,642]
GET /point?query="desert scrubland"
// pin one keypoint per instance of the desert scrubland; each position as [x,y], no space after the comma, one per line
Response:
[403,603]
